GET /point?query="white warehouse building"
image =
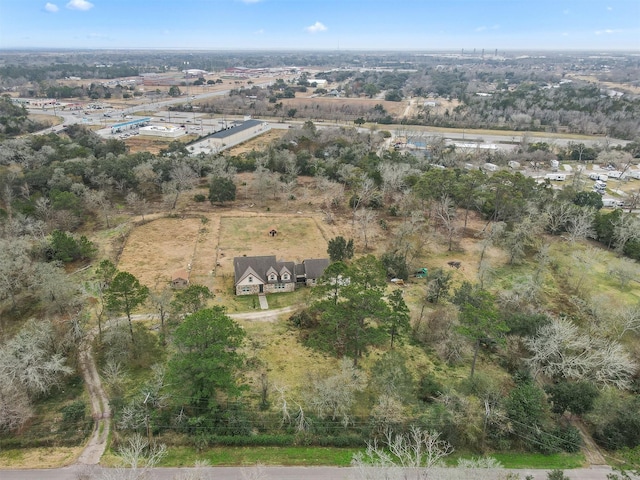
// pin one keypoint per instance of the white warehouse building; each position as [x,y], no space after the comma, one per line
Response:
[237,134]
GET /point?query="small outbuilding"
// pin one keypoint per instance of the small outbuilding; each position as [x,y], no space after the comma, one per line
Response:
[273,232]
[180,279]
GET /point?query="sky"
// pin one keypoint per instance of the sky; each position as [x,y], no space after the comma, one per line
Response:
[601,25]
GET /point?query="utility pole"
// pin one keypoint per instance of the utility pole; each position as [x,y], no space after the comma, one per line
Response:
[146,419]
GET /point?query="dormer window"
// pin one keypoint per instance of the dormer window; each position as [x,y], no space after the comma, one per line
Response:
[285,276]
[272,277]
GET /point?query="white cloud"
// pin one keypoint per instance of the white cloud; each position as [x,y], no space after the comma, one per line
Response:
[79,5]
[484,28]
[316,27]
[607,31]
[51,7]
[259,32]
[609,8]
[250,1]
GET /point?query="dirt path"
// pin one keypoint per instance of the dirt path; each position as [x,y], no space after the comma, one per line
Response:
[100,409]
[263,315]
[591,451]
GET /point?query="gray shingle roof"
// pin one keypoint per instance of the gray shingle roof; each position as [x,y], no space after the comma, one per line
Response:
[260,266]
[235,129]
[315,267]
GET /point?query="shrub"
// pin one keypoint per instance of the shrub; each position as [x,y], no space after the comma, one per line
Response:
[73,413]
[557,475]
[429,388]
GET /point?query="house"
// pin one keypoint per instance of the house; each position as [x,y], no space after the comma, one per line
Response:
[180,279]
[313,269]
[265,274]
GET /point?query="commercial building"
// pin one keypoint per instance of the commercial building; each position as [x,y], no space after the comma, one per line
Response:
[168,131]
[237,134]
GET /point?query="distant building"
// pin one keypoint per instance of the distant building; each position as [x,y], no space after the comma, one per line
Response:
[168,131]
[158,79]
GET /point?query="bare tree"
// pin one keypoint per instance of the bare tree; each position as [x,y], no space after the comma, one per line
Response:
[29,366]
[262,178]
[114,376]
[57,292]
[625,229]
[219,167]
[393,176]
[624,270]
[445,212]
[161,301]
[366,219]
[362,194]
[182,178]
[490,238]
[334,396]
[15,406]
[401,456]
[137,457]
[257,472]
[137,203]
[97,200]
[403,239]
[557,215]
[15,268]
[580,223]
[628,319]
[559,350]
[521,237]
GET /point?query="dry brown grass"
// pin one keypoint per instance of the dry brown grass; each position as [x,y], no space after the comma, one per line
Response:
[155,250]
[45,119]
[146,144]
[613,85]
[259,143]
[394,108]
[53,457]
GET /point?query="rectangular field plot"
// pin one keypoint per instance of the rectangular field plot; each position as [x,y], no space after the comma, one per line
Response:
[154,251]
[296,239]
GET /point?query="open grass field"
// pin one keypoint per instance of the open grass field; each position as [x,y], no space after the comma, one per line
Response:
[298,238]
[142,143]
[46,119]
[302,104]
[207,244]
[155,250]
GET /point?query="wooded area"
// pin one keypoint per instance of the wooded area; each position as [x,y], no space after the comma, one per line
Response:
[512,322]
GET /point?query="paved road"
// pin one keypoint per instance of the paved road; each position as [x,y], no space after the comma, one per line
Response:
[286,473]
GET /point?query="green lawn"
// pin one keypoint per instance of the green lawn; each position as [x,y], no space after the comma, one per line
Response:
[538,460]
[316,456]
[186,456]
